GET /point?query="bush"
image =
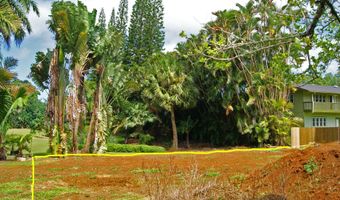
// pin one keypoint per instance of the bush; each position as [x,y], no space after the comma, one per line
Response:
[145,138]
[133,148]
[116,139]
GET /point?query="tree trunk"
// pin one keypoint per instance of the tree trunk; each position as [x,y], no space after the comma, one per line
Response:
[91,135]
[174,130]
[3,153]
[53,100]
[187,140]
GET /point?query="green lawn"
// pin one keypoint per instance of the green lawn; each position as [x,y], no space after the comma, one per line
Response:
[39,143]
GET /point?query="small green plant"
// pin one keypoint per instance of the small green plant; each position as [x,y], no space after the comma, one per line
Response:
[310,166]
[238,177]
[147,171]
[211,173]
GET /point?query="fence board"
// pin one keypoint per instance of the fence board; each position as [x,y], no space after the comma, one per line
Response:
[319,135]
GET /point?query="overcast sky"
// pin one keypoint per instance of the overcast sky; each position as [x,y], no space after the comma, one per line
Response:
[186,15]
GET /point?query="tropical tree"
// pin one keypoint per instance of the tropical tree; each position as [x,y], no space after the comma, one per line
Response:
[146,31]
[107,54]
[8,104]
[13,19]
[167,86]
[6,74]
[72,24]
[40,69]
[122,18]
[185,126]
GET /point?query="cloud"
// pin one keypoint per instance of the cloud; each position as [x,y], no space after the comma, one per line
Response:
[179,15]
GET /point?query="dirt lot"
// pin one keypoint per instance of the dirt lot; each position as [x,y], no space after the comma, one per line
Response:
[280,173]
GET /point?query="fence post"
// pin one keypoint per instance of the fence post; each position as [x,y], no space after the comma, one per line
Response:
[295,137]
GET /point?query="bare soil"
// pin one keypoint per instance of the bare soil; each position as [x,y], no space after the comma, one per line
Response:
[288,176]
[268,173]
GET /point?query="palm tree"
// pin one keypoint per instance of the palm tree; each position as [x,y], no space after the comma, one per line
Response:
[166,85]
[13,19]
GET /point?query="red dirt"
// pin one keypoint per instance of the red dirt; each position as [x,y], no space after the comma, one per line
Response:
[106,174]
[278,172]
[288,177]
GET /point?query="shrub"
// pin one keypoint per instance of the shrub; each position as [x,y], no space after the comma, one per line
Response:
[19,143]
[116,139]
[145,138]
[133,148]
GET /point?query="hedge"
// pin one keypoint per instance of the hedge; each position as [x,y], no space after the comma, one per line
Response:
[135,148]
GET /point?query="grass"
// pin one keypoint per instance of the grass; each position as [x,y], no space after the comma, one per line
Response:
[212,173]
[238,177]
[53,193]
[127,196]
[18,189]
[146,171]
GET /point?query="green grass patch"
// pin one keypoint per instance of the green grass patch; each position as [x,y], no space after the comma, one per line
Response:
[147,171]
[15,163]
[134,148]
[11,188]
[127,196]
[40,146]
[238,177]
[55,169]
[212,173]
[91,174]
[53,193]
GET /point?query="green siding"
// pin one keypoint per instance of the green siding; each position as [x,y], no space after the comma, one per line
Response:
[298,104]
[301,96]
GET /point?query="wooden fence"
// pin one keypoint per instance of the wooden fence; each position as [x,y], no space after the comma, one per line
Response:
[303,136]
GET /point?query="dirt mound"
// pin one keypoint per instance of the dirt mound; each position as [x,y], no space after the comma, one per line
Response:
[313,173]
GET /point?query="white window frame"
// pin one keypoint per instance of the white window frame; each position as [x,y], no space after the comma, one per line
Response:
[319,121]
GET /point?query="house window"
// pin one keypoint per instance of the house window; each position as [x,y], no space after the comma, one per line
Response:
[320,98]
[319,121]
[291,98]
[332,99]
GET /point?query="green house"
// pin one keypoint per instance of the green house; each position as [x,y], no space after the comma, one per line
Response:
[318,106]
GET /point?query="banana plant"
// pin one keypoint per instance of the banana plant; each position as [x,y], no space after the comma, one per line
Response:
[6,108]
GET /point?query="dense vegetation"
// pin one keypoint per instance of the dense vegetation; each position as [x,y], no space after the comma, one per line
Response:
[227,85]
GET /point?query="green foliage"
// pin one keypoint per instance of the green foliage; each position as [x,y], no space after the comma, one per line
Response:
[133,148]
[185,126]
[166,84]
[32,115]
[19,143]
[122,18]
[145,138]
[311,166]
[14,21]
[146,34]
[116,139]
[112,21]
[102,21]
[40,69]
